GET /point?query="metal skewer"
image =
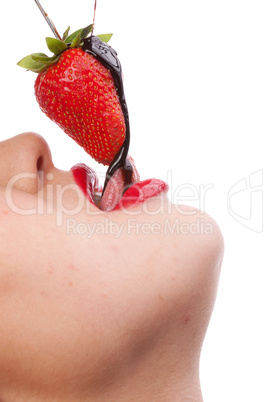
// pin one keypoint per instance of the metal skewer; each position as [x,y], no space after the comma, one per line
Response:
[94,16]
[48,20]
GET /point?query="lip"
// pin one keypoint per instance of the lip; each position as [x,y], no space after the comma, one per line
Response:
[137,193]
[87,180]
[141,192]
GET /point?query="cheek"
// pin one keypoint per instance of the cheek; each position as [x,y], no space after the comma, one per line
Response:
[54,201]
[15,203]
[17,176]
[60,194]
[66,198]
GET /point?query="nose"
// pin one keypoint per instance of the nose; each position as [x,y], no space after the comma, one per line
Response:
[24,156]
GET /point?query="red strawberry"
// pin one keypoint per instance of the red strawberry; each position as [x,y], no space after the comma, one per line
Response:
[78,92]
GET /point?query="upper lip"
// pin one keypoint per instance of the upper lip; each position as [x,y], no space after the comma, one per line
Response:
[88,181]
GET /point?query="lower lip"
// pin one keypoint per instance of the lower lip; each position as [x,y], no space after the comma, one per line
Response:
[141,192]
[138,193]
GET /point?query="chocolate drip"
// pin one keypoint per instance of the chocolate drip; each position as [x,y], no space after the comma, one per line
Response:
[107,56]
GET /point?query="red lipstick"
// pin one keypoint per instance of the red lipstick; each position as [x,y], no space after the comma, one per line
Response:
[113,200]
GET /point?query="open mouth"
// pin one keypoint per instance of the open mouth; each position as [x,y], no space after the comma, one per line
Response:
[117,195]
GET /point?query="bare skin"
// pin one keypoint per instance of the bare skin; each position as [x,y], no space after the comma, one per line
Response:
[106,317]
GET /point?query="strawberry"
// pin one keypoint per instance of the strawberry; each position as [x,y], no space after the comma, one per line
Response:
[78,92]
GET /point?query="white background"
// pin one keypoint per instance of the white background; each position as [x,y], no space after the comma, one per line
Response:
[196,84]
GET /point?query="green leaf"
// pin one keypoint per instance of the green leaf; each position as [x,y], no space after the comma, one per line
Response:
[86,31]
[66,33]
[38,55]
[39,70]
[71,37]
[56,46]
[47,61]
[82,32]
[30,64]
[105,37]
[76,41]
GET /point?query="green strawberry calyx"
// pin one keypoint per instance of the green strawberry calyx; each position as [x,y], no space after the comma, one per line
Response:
[39,62]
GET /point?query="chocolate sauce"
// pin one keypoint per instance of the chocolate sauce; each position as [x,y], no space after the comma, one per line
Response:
[107,56]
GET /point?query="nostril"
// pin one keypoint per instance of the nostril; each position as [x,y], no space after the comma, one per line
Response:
[40,164]
[40,172]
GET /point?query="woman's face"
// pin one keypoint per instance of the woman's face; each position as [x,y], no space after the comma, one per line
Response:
[30,183]
[58,252]
[81,288]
